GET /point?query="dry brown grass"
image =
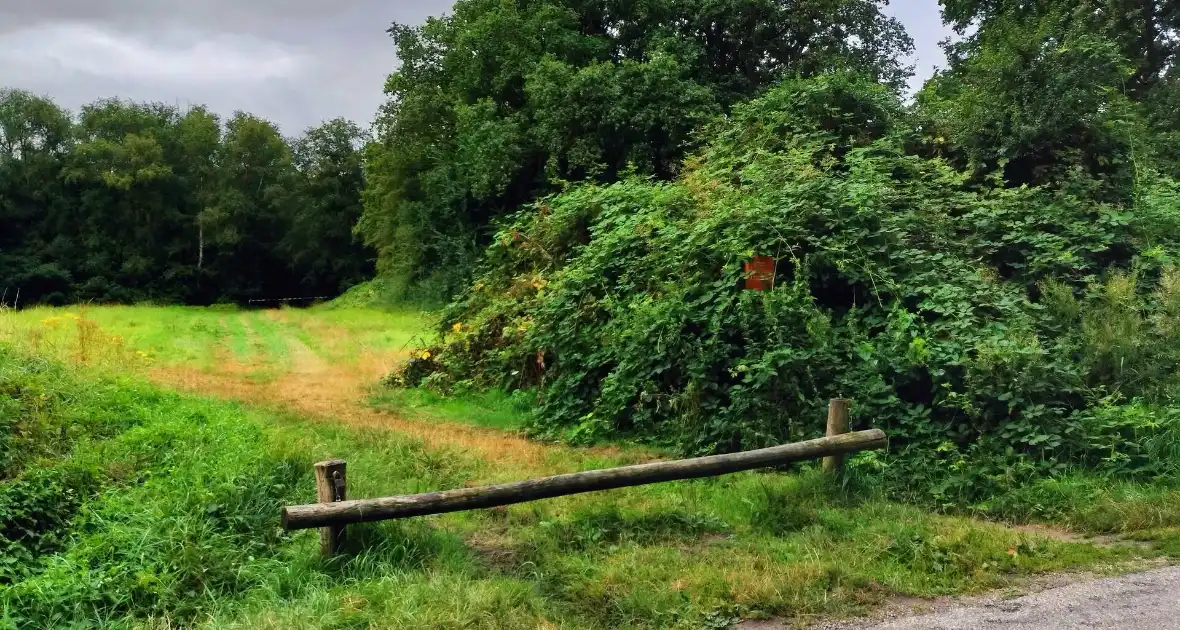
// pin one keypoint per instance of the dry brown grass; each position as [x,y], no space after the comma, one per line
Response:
[334,392]
[330,382]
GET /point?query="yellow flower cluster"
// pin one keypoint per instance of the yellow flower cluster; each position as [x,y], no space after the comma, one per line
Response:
[58,320]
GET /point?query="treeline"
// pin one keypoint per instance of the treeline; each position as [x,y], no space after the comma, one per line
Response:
[501,103]
[128,202]
[991,270]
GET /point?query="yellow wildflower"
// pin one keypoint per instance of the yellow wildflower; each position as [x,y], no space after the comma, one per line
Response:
[458,327]
[425,355]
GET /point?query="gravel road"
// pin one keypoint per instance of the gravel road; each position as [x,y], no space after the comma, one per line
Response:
[1142,601]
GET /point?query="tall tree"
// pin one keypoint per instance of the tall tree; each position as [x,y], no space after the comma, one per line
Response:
[1147,32]
[502,101]
[197,144]
[1035,104]
[319,243]
[1049,92]
[246,223]
[35,138]
[126,215]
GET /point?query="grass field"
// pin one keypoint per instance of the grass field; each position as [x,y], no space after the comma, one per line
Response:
[148,450]
[208,338]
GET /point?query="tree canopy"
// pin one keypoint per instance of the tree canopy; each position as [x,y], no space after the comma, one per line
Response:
[132,201]
[1145,33]
[990,271]
[1044,91]
[501,102]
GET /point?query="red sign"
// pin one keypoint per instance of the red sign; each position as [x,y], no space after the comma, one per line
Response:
[760,274]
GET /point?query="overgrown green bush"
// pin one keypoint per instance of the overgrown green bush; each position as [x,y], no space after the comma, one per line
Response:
[40,416]
[41,487]
[36,511]
[993,332]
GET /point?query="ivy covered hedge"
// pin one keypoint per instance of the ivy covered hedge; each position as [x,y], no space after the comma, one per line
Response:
[997,333]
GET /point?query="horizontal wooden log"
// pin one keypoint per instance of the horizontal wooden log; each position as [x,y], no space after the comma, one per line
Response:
[364,510]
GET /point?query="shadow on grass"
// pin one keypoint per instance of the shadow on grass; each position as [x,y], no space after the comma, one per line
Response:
[372,550]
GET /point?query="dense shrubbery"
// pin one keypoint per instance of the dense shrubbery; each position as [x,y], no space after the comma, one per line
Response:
[996,332]
[990,272]
[498,103]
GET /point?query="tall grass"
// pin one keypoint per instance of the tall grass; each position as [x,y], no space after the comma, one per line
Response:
[68,336]
[128,506]
[130,337]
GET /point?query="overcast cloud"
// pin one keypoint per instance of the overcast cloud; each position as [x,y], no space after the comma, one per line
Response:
[296,62]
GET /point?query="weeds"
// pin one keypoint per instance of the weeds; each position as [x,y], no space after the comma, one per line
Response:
[161,510]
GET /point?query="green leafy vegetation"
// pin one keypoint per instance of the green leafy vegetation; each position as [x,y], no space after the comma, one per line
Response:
[499,103]
[1001,325]
[162,509]
[129,202]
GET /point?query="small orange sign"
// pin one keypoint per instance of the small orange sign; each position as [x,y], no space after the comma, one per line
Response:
[760,274]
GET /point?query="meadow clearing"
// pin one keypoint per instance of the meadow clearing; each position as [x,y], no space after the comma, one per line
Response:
[153,446]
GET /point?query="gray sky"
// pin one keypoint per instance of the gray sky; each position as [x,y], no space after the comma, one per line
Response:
[296,62]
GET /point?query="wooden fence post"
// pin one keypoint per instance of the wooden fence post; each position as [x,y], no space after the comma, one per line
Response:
[837,425]
[330,486]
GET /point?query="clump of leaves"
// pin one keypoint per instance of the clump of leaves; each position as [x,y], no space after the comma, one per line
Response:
[899,282]
[36,511]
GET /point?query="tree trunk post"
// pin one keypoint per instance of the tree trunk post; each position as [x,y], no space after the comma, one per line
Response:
[330,485]
[837,425]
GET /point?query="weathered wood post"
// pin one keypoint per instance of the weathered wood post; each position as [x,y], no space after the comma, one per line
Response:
[385,508]
[837,425]
[330,486]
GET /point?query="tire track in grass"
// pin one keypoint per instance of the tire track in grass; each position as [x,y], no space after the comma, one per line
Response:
[334,392]
[238,337]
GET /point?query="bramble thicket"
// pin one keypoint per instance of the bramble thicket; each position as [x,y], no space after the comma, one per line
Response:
[987,267]
[989,272]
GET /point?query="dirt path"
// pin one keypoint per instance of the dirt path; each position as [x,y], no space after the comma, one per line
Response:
[335,392]
[1132,602]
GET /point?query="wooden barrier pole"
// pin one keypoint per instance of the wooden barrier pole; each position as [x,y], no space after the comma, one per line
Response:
[837,425]
[330,487]
[345,512]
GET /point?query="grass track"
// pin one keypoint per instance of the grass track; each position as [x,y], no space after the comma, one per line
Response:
[692,554]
